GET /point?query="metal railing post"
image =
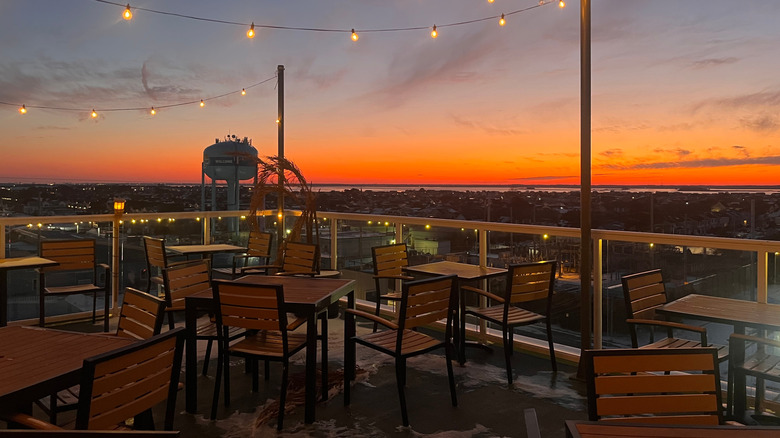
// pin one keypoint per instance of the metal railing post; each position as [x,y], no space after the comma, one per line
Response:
[2,240]
[598,292]
[762,288]
[334,244]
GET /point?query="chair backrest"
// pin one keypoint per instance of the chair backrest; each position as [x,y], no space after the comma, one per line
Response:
[126,382]
[301,257]
[672,386]
[530,282]
[251,306]
[156,256]
[259,244]
[141,315]
[71,254]
[389,259]
[426,301]
[643,293]
[183,280]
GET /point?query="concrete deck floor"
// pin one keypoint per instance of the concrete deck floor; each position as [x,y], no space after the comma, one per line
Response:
[487,405]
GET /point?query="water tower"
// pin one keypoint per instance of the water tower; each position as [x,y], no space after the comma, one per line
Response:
[231,160]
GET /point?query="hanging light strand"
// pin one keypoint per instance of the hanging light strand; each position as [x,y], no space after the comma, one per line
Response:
[319,29]
[139,108]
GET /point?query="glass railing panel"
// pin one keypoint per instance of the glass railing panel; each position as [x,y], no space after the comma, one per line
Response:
[23,285]
[686,270]
[512,248]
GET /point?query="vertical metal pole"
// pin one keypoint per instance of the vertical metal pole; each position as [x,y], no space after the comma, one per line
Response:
[280,153]
[762,288]
[585,175]
[334,244]
[598,293]
[2,240]
[115,261]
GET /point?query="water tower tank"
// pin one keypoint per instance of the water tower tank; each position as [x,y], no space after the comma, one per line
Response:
[230,160]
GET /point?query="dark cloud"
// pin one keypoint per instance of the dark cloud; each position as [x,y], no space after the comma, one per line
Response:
[490,130]
[695,164]
[679,152]
[545,178]
[762,99]
[612,153]
[763,124]
[712,62]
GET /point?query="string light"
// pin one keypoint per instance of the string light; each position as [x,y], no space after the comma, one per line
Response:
[501,22]
[22,108]
[251,32]
[243,91]
[354,35]
[202,103]
[434,33]
[127,14]
[561,4]
[94,114]
[153,111]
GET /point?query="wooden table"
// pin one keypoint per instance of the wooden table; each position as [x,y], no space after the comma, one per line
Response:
[738,313]
[36,362]
[210,249]
[464,272]
[595,429]
[16,263]
[303,296]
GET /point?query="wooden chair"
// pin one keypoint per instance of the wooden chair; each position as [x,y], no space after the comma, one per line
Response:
[157,260]
[259,309]
[140,317]
[761,364]
[258,247]
[126,383]
[643,293]
[183,280]
[422,302]
[389,264]
[525,283]
[77,261]
[671,386]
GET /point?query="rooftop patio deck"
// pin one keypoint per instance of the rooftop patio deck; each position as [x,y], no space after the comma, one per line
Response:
[487,407]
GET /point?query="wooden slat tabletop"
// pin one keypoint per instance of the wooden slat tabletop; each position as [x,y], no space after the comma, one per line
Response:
[31,358]
[582,429]
[204,249]
[25,262]
[305,290]
[462,270]
[725,310]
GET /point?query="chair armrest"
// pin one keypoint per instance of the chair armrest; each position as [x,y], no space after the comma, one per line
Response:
[669,325]
[297,323]
[484,293]
[395,277]
[104,266]
[374,318]
[30,422]
[736,338]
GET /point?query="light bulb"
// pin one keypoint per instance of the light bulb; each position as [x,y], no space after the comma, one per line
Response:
[251,32]
[501,22]
[94,114]
[153,111]
[434,33]
[491,1]
[354,35]
[541,2]
[243,91]
[202,103]
[278,121]
[127,14]
[561,4]
[23,110]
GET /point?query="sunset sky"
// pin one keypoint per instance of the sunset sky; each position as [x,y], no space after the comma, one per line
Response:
[684,91]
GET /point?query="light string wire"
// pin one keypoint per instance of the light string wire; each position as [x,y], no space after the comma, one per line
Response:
[23,107]
[143,108]
[319,29]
